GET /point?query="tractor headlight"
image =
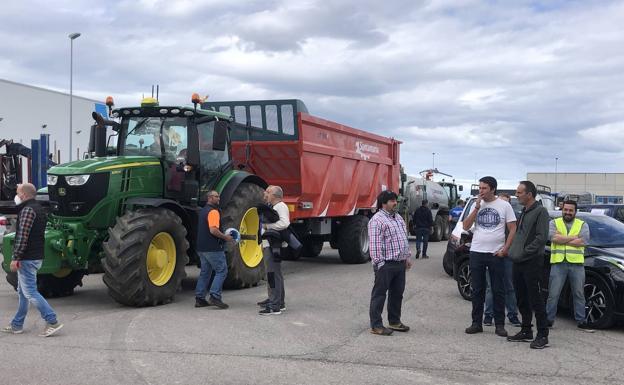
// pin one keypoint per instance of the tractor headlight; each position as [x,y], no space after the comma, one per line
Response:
[52,179]
[77,180]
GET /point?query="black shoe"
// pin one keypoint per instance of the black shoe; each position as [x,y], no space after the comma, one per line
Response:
[417,254]
[200,302]
[585,327]
[269,311]
[425,256]
[283,307]
[263,303]
[217,302]
[521,336]
[474,328]
[539,342]
[500,331]
[551,323]
[487,320]
[515,321]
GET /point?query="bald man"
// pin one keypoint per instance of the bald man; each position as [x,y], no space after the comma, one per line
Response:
[27,259]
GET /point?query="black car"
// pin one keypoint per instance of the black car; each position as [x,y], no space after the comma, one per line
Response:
[611,210]
[604,270]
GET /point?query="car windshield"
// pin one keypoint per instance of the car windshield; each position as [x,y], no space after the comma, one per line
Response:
[603,231]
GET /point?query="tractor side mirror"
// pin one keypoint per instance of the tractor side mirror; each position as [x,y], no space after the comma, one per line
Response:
[219,138]
[461,187]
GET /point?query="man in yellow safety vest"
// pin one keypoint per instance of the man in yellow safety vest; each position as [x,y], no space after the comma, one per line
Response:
[568,236]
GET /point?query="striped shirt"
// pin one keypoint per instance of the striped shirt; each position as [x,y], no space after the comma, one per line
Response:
[387,234]
[26,220]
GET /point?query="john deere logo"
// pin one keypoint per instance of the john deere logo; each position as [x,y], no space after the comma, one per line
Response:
[61,191]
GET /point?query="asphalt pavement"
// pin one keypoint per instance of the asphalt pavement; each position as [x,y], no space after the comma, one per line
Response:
[322,338]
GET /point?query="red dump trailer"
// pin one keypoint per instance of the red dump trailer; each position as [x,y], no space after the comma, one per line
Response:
[331,174]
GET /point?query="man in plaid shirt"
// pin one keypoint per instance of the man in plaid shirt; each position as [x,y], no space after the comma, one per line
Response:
[27,258]
[390,255]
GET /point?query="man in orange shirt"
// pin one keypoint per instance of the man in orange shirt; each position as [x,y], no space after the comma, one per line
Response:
[210,242]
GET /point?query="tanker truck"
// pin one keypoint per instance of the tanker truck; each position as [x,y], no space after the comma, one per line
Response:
[442,196]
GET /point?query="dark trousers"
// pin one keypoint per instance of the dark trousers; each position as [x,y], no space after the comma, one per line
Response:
[527,279]
[422,236]
[389,278]
[481,264]
[275,280]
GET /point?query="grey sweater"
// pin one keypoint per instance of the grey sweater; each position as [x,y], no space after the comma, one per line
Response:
[531,235]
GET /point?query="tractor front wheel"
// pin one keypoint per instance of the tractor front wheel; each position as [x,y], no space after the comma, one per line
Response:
[59,284]
[145,257]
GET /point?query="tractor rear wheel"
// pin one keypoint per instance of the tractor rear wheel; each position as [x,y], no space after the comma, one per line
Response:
[145,257]
[353,240]
[59,284]
[245,267]
[438,229]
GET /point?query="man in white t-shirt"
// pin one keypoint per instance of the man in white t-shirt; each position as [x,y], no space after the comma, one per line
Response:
[491,216]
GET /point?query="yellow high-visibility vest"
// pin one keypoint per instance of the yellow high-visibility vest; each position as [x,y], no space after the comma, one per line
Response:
[572,254]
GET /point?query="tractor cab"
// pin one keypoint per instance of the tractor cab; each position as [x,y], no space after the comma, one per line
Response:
[191,144]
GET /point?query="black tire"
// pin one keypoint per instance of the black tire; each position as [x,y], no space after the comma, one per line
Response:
[51,286]
[464,285]
[446,233]
[599,303]
[125,261]
[438,228]
[447,263]
[353,240]
[312,248]
[412,229]
[240,276]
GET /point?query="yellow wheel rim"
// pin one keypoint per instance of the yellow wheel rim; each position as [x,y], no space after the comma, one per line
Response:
[62,273]
[161,259]
[250,250]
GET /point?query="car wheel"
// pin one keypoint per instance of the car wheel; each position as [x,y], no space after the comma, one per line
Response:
[463,281]
[599,303]
[447,263]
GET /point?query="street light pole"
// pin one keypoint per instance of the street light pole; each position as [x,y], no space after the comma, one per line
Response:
[556,161]
[433,156]
[72,37]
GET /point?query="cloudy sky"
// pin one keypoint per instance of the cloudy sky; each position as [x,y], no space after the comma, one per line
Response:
[492,87]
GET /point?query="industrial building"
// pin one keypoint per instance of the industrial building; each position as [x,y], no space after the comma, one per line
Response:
[605,187]
[27,111]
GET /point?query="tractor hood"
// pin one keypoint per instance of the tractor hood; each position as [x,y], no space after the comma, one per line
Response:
[103,164]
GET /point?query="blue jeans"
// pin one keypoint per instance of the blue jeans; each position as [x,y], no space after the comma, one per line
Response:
[482,264]
[422,236]
[27,291]
[558,274]
[510,293]
[211,261]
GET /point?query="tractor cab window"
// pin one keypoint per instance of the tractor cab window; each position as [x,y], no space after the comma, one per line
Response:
[211,160]
[150,135]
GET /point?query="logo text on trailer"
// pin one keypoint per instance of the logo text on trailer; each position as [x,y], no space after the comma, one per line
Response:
[362,149]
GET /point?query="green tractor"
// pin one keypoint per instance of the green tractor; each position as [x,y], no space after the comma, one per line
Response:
[133,207]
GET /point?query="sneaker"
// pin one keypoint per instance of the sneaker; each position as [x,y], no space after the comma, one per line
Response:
[515,321]
[500,331]
[200,302]
[521,336]
[263,303]
[269,311]
[417,254]
[382,331]
[539,342]
[51,329]
[487,321]
[399,327]
[217,302]
[551,323]
[474,328]
[425,256]
[283,307]
[583,326]
[12,329]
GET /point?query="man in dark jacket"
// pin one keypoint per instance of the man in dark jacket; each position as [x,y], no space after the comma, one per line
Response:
[27,259]
[422,222]
[527,254]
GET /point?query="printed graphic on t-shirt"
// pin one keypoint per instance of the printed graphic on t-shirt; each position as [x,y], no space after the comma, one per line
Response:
[488,218]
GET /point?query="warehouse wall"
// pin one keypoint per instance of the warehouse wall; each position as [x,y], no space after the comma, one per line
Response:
[599,184]
[25,109]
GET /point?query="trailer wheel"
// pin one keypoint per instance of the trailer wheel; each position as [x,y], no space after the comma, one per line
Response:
[447,230]
[438,228]
[312,248]
[353,240]
[145,257]
[245,267]
[60,284]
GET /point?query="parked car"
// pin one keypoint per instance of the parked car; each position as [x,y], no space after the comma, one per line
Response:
[604,270]
[611,210]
